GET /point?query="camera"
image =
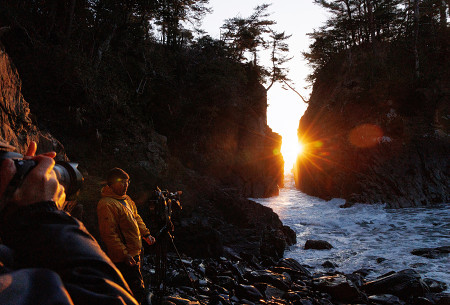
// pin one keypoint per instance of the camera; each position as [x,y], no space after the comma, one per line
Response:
[67,172]
[164,203]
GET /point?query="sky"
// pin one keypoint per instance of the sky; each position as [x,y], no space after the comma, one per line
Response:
[296,18]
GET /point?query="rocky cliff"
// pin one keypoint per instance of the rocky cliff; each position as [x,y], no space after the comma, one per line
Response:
[216,216]
[374,136]
[18,128]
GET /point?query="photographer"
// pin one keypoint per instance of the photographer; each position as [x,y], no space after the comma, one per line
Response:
[122,229]
[48,257]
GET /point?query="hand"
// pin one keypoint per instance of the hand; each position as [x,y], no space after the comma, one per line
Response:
[40,184]
[129,260]
[150,240]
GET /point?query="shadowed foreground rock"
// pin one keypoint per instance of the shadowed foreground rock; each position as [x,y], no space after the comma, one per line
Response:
[244,279]
[404,284]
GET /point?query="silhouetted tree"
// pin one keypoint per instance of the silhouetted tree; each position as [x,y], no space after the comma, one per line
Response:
[251,35]
[420,24]
[172,14]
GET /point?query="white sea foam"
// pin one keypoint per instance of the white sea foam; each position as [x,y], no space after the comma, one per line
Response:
[364,234]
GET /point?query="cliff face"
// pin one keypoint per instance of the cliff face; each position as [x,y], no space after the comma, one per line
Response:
[377,138]
[16,124]
[237,147]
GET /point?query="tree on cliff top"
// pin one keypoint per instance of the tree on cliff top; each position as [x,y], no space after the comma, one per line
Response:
[249,36]
[418,27]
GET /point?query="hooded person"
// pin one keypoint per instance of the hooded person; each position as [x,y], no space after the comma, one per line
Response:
[122,229]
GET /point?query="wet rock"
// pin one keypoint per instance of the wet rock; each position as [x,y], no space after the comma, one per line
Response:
[249,292]
[176,278]
[329,265]
[278,280]
[238,271]
[304,302]
[226,281]
[363,272]
[339,288]
[317,245]
[347,204]
[435,286]
[385,299]
[220,299]
[180,301]
[292,264]
[292,274]
[439,298]
[403,284]
[356,279]
[220,290]
[273,292]
[291,296]
[251,260]
[422,301]
[432,252]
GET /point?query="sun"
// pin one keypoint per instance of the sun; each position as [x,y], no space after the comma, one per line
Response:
[283,115]
[290,149]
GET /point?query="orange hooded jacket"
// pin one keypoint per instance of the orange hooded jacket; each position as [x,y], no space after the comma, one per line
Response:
[121,227]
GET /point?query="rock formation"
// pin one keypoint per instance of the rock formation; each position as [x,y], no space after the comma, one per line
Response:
[17,127]
[374,139]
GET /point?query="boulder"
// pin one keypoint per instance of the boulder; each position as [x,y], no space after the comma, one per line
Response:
[226,281]
[439,298]
[294,265]
[432,252]
[435,286]
[273,292]
[404,284]
[329,265]
[249,292]
[339,288]
[265,276]
[317,245]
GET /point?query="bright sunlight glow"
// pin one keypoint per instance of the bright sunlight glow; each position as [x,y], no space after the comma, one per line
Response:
[283,115]
[290,149]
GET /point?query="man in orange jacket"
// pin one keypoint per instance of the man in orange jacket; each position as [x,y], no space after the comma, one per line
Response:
[122,229]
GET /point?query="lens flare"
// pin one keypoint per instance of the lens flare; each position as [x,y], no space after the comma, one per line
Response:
[365,135]
[291,148]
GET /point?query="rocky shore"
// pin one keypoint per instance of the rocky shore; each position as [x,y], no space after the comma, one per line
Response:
[245,279]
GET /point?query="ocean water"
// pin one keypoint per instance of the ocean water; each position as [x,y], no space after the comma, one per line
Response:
[362,234]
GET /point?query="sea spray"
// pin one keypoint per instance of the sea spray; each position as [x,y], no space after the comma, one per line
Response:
[364,236]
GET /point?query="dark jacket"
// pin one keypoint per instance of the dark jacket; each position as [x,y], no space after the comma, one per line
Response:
[48,257]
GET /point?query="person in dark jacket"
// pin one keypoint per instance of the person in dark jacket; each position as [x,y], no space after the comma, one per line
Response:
[47,256]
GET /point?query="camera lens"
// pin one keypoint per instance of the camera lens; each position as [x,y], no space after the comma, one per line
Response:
[69,177]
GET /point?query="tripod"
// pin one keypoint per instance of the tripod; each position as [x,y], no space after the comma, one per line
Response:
[161,265]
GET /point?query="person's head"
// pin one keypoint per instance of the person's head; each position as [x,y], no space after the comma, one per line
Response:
[118,180]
